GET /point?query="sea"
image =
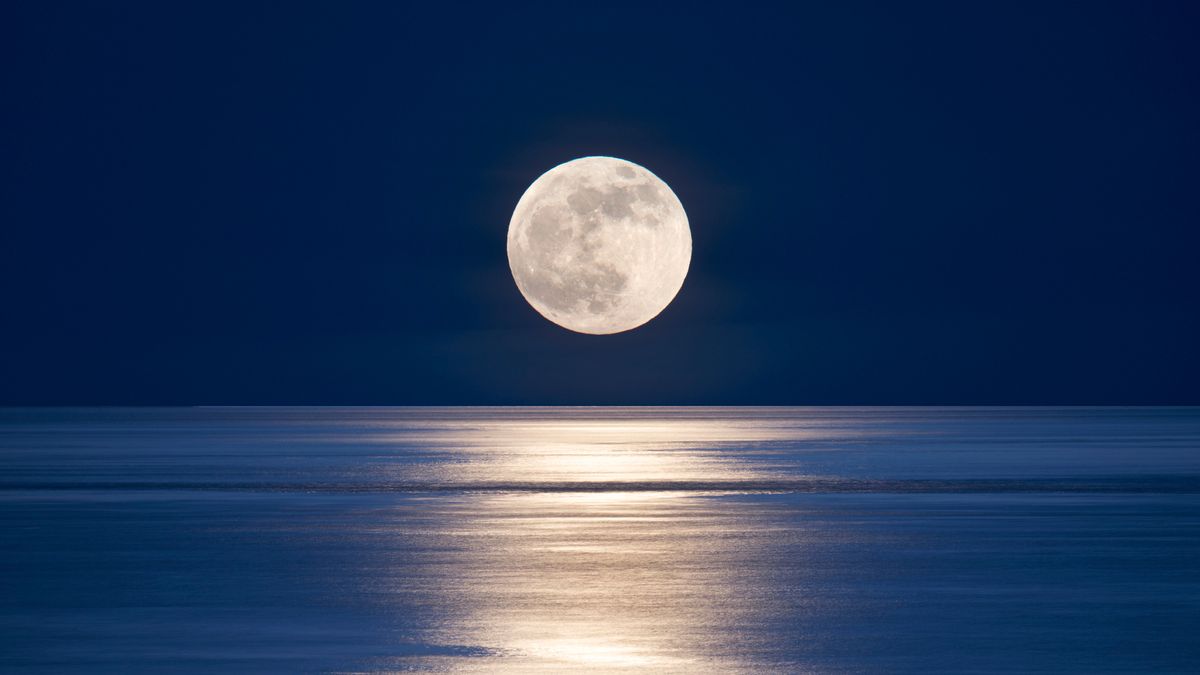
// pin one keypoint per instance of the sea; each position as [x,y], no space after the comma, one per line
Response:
[548,540]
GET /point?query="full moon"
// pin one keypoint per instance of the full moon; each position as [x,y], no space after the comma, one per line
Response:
[599,245]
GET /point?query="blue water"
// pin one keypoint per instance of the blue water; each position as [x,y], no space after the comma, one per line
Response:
[600,539]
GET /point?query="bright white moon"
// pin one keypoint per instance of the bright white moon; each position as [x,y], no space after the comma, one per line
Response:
[599,245]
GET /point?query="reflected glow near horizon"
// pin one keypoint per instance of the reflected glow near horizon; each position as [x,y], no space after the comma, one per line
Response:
[613,450]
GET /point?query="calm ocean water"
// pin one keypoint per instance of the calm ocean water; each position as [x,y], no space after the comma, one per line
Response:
[656,539]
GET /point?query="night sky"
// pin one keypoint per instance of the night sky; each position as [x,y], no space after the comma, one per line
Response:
[892,203]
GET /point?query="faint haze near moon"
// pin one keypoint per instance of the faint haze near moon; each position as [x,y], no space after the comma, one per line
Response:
[599,245]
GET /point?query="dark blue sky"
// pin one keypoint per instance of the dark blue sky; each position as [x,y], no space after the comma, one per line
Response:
[891,203]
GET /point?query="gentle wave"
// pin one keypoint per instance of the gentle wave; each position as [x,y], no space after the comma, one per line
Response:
[1144,484]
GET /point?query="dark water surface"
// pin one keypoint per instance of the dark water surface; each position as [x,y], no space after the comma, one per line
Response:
[656,539]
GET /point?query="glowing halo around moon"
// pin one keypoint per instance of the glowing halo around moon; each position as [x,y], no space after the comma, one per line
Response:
[599,245]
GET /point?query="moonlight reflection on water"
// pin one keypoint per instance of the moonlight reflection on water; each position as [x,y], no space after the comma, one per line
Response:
[602,579]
